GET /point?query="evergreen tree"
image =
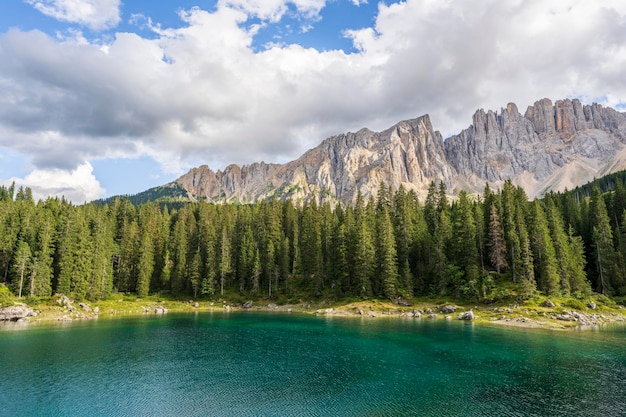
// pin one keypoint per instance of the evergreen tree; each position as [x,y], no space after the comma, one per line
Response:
[146,264]
[22,264]
[225,266]
[430,208]
[179,252]
[256,272]
[602,237]
[578,282]
[526,267]
[497,245]
[195,273]
[43,251]
[387,268]
[544,254]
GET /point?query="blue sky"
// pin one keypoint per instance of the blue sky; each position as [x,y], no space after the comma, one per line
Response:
[104,97]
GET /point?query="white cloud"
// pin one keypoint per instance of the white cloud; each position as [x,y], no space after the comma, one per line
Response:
[201,93]
[78,185]
[273,10]
[94,14]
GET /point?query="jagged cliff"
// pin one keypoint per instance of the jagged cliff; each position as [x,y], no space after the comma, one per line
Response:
[550,147]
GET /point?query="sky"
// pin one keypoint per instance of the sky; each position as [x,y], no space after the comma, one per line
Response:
[108,97]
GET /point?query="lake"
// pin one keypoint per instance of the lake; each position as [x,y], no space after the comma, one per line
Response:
[270,364]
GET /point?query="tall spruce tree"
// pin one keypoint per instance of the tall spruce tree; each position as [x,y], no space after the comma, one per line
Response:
[602,238]
[386,256]
[544,255]
[497,244]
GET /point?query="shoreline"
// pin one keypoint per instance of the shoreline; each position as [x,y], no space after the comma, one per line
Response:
[558,317]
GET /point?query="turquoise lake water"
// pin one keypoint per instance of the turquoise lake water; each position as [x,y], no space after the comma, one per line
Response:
[264,364]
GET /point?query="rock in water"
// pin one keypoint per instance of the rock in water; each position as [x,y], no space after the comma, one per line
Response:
[160,310]
[15,313]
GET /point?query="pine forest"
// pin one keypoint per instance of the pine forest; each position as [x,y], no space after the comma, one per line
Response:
[486,247]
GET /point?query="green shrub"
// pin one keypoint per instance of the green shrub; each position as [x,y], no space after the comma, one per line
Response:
[6,296]
[604,300]
[575,304]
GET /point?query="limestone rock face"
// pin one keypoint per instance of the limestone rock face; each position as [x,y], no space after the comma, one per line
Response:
[410,153]
[541,150]
[549,147]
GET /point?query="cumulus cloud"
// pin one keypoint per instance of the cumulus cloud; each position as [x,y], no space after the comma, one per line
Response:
[273,10]
[78,185]
[203,93]
[94,14]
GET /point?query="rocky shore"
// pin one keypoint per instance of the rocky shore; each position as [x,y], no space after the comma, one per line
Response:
[548,314]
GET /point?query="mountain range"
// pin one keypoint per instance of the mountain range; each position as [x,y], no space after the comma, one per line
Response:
[549,147]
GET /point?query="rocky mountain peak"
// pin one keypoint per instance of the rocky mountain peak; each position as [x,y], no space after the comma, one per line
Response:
[551,146]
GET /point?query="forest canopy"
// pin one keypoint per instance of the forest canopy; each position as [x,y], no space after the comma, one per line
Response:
[474,247]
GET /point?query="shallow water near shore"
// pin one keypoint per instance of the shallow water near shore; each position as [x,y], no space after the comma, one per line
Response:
[269,364]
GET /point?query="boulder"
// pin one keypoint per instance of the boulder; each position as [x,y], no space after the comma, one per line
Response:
[432,316]
[466,315]
[247,304]
[160,310]
[15,313]
[565,317]
[591,305]
[65,302]
[548,303]
[402,302]
[85,307]
[96,310]
[448,309]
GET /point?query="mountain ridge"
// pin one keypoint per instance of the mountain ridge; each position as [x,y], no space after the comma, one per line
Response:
[550,147]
